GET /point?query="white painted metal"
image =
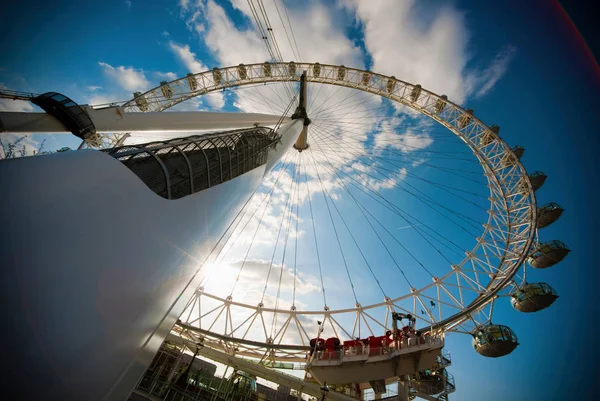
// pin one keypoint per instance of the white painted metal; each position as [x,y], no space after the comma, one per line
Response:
[97,268]
[488,268]
[253,368]
[116,120]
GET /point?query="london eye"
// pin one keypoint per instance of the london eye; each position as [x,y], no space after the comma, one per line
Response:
[330,220]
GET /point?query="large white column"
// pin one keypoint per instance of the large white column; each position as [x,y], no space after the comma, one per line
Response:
[116,120]
[96,269]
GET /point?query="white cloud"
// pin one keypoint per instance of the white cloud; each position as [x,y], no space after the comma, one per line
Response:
[94,88]
[165,34]
[318,29]
[215,100]
[98,99]
[488,78]
[405,140]
[187,57]
[127,78]
[166,76]
[430,49]
[15,105]
[128,4]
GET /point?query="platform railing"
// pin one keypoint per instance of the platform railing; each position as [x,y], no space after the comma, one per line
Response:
[366,350]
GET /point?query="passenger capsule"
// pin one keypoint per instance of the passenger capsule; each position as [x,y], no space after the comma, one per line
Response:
[511,158]
[243,73]
[316,70]
[415,93]
[494,340]
[140,101]
[533,297]
[440,104]
[465,118]
[537,179]
[548,214]
[341,74]
[166,90]
[518,151]
[192,83]
[217,76]
[366,78]
[391,84]
[548,254]
[267,69]
[487,137]
[430,382]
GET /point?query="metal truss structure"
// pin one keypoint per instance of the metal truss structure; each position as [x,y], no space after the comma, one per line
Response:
[465,294]
[178,167]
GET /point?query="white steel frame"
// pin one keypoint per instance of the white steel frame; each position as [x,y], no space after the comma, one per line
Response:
[464,296]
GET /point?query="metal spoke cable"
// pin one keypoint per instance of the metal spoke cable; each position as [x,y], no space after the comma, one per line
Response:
[296,238]
[265,15]
[331,133]
[360,207]
[312,219]
[350,232]
[291,30]
[337,237]
[296,54]
[248,250]
[283,217]
[361,187]
[272,47]
[289,225]
[408,174]
[222,254]
[412,175]
[416,223]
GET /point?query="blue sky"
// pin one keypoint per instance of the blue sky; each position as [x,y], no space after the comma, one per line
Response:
[522,67]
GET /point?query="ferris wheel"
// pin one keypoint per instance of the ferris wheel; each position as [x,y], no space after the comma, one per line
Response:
[388,217]
[394,203]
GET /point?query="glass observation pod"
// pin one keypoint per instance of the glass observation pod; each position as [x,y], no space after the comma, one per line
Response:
[267,69]
[537,179]
[518,151]
[548,214]
[366,78]
[391,84]
[140,101]
[548,254]
[217,76]
[533,297]
[440,104]
[341,74]
[487,137]
[494,340]
[316,70]
[243,383]
[368,359]
[511,158]
[166,90]
[465,119]
[243,73]
[415,93]
[292,68]
[192,83]
[433,382]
